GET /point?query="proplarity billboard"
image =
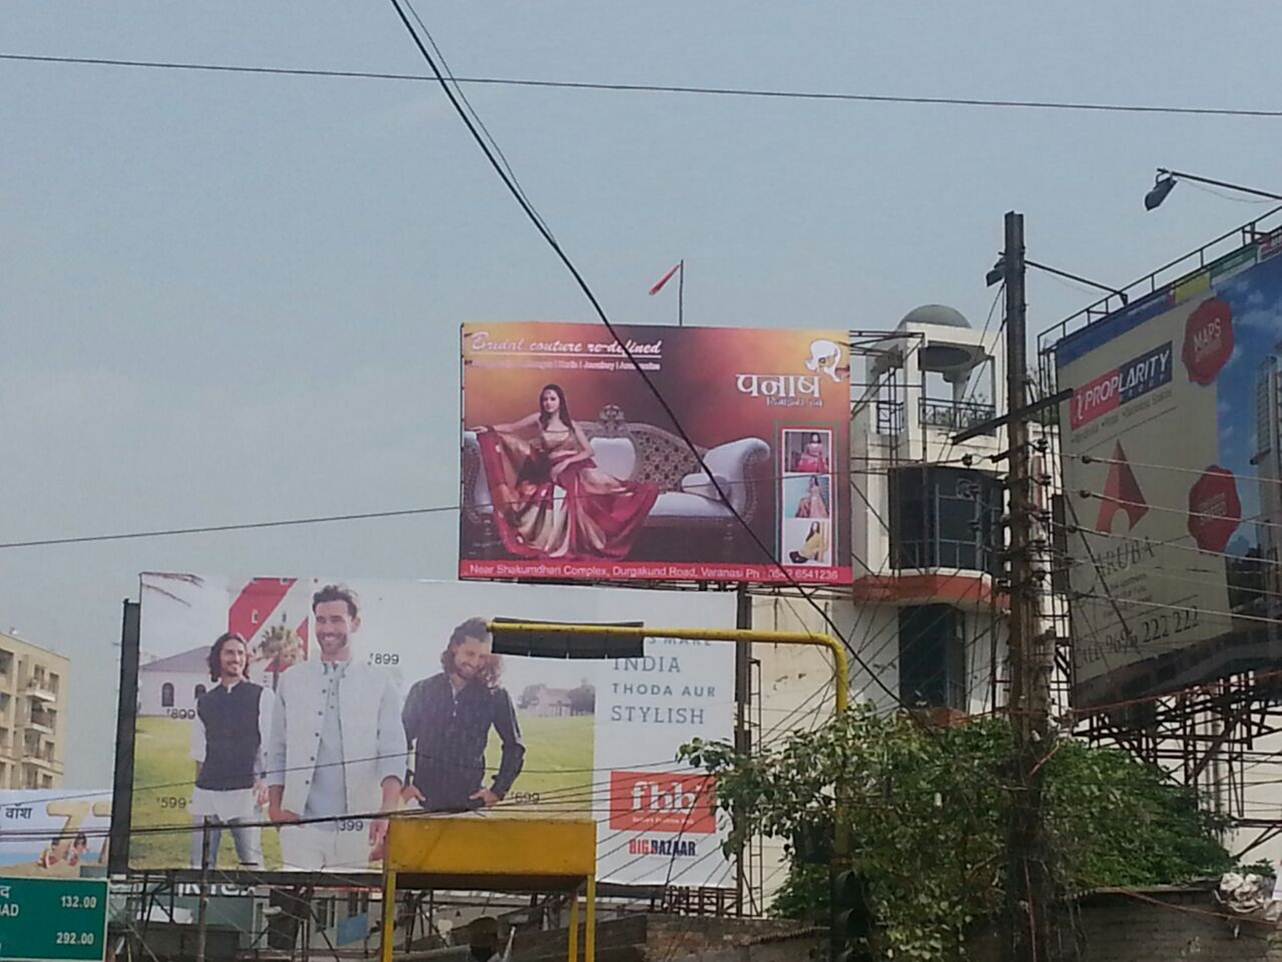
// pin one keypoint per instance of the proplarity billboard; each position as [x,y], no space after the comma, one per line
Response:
[1173,477]
[290,712]
[54,832]
[573,470]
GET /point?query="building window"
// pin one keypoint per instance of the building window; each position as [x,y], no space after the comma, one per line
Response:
[200,690]
[932,657]
[943,517]
[46,781]
[167,695]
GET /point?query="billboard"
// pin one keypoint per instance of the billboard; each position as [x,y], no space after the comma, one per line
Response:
[1172,444]
[54,832]
[572,470]
[289,711]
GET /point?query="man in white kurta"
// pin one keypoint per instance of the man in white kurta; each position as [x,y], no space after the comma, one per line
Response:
[337,749]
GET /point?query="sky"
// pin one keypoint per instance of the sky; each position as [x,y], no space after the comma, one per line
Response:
[234,298]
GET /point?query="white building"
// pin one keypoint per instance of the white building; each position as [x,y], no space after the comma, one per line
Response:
[170,686]
[926,511]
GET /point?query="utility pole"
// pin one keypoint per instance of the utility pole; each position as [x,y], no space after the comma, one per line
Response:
[1031,897]
[202,913]
[742,731]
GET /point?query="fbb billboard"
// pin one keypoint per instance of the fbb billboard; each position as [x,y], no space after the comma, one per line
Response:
[291,713]
[573,470]
[1172,444]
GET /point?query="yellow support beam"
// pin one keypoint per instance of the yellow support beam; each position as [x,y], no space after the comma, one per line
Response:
[740,636]
[589,923]
[574,928]
[389,914]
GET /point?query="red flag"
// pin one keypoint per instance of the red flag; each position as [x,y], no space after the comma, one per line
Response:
[665,278]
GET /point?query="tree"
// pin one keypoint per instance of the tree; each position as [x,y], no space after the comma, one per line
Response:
[926,811]
[582,699]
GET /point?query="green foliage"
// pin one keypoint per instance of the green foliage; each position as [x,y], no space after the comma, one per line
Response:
[926,813]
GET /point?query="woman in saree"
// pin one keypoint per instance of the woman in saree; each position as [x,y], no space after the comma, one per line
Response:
[813,505]
[812,459]
[813,548]
[550,498]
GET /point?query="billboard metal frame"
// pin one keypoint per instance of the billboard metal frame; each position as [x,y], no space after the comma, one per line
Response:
[1205,733]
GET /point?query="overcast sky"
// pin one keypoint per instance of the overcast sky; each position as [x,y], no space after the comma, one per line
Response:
[231,298]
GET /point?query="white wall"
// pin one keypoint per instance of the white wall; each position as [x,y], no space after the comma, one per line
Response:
[150,684]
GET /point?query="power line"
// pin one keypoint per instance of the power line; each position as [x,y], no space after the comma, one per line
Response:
[243,526]
[646,379]
[328,518]
[654,88]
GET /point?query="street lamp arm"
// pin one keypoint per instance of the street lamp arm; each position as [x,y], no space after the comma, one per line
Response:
[1078,278]
[1181,175]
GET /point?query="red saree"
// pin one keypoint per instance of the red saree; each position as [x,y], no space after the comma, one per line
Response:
[583,514]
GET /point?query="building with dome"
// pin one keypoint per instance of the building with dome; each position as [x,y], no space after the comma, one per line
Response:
[925,615]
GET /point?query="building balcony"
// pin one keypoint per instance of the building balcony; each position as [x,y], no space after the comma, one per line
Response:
[955,415]
[942,413]
[38,690]
[42,721]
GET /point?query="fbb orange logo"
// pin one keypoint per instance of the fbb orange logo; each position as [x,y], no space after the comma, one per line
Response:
[663,802]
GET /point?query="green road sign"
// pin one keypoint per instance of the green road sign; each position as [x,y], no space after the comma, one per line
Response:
[53,920]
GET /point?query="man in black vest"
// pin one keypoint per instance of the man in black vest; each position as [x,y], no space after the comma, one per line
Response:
[228,742]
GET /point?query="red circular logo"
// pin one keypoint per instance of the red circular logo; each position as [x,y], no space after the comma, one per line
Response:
[1214,509]
[1208,340]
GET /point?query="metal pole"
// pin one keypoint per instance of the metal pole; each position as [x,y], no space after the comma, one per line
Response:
[387,936]
[1030,893]
[681,293]
[574,927]
[203,909]
[742,733]
[589,923]
[841,663]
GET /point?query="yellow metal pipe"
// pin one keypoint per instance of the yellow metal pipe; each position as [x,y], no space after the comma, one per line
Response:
[574,928]
[589,926]
[389,913]
[741,636]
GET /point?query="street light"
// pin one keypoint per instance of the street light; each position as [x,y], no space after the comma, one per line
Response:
[998,274]
[1164,183]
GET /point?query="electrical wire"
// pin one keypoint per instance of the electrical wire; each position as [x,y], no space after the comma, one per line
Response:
[581,282]
[1096,459]
[749,92]
[1255,518]
[325,519]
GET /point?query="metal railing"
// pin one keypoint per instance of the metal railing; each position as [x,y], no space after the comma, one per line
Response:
[942,413]
[955,415]
[890,417]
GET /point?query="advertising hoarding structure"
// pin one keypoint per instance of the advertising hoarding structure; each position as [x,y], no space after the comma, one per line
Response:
[326,739]
[572,470]
[1172,467]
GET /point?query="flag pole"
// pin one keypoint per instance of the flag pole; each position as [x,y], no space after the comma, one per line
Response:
[681,294]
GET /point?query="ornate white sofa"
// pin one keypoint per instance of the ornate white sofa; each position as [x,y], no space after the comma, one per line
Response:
[642,452]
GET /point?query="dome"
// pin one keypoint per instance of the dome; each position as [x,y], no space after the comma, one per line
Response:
[937,314]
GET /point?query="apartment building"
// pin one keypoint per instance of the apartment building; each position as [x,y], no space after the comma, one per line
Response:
[33,724]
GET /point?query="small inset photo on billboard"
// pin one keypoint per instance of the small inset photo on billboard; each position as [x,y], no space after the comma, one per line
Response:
[806,451]
[807,496]
[807,542]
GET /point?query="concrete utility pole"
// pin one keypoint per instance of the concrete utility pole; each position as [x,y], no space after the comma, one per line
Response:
[1031,897]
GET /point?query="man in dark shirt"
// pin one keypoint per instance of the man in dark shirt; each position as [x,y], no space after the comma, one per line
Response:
[447,721]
